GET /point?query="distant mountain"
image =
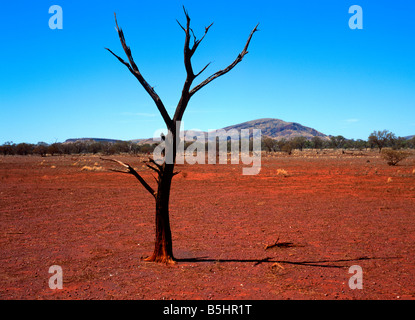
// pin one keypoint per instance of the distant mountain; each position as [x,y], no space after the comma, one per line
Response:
[273,128]
[278,129]
[91,139]
[409,137]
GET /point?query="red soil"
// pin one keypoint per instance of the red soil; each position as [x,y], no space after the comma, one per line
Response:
[331,211]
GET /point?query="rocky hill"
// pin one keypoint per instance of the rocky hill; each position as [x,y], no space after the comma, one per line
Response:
[278,129]
[273,128]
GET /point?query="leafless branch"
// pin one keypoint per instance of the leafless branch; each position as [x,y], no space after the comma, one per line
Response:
[156,179]
[197,42]
[194,36]
[202,70]
[155,162]
[132,171]
[132,67]
[152,168]
[181,25]
[119,171]
[187,93]
[227,69]
[121,60]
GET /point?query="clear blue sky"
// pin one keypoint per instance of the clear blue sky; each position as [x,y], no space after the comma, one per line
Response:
[305,65]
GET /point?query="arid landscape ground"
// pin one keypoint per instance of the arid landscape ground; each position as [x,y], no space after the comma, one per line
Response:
[325,211]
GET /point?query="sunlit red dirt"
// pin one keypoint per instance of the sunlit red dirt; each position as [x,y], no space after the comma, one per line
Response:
[328,211]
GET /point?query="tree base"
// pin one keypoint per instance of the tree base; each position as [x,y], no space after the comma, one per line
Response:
[161,259]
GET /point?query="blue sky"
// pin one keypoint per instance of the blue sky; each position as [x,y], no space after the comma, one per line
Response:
[305,65]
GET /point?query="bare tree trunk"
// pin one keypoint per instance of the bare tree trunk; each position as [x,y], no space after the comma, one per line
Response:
[163,249]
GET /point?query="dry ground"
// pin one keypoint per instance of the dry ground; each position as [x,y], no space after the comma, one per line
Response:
[328,211]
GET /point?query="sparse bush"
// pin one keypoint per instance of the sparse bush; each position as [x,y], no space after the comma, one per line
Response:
[41,149]
[282,172]
[269,144]
[381,139]
[55,148]
[68,148]
[147,148]
[8,148]
[94,168]
[298,143]
[288,148]
[337,142]
[24,149]
[317,142]
[135,148]
[360,144]
[399,143]
[79,147]
[392,157]
[94,147]
[121,147]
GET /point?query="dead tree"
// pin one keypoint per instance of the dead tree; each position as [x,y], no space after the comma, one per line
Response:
[163,251]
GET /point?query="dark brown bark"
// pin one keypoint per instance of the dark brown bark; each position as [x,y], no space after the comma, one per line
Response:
[163,250]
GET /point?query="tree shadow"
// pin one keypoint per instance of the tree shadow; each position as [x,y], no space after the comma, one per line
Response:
[317,263]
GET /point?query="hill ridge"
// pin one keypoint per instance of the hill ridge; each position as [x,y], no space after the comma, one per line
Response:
[270,127]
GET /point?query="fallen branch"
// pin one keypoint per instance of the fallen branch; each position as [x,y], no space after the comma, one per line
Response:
[276,264]
[279,244]
[267,246]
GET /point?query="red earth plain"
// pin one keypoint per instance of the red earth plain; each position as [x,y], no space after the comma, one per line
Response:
[325,212]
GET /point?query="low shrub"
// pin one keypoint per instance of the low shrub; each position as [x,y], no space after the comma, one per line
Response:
[392,157]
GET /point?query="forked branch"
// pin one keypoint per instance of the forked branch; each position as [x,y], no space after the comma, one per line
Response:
[153,168]
[227,69]
[187,92]
[190,50]
[132,171]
